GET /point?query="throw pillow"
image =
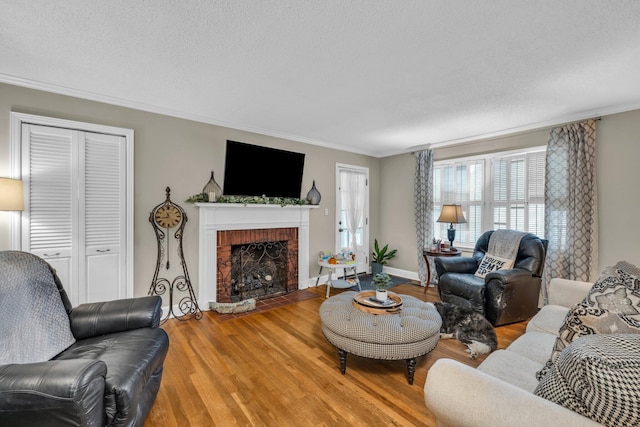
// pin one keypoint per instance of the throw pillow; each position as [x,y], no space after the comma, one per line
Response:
[612,306]
[491,263]
[597,376]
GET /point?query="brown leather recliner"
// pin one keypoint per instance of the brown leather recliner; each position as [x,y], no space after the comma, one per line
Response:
[503,296]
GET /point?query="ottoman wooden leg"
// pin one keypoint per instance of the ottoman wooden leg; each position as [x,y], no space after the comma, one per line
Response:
[342,355]
[411,369]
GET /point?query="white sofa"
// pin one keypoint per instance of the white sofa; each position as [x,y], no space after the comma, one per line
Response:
[500,391]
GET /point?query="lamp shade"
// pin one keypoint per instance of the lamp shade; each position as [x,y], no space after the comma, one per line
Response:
[452,214]
[11,195]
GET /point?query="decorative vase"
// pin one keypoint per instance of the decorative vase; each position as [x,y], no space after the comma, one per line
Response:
[212,190]
[313,196]
[382,296]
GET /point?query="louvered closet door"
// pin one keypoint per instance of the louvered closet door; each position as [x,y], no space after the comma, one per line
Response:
[75,210]
[50,217]
[103,273]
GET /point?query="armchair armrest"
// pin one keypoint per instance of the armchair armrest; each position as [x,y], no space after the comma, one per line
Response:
[465,265]
[488,401]
[512,275]
[53,393]
[94,319]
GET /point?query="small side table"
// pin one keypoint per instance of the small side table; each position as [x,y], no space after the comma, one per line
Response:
[340,284]
[429,253]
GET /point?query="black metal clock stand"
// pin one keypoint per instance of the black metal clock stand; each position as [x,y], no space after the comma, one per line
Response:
[168,215]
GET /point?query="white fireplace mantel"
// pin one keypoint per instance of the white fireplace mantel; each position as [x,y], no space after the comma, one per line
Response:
[216,217]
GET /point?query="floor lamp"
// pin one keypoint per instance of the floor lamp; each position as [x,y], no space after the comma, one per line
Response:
[453,215]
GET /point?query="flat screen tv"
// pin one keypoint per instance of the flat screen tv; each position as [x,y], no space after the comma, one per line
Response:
[252,170]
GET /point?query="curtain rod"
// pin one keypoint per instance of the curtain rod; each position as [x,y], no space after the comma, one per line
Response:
[427,146]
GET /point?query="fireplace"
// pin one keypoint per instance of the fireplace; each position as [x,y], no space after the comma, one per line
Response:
[221,223]
[256,263]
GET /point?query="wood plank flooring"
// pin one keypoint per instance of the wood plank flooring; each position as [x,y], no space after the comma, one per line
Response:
[275,368]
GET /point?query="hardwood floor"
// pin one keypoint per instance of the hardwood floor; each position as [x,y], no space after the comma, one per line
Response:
[275,368]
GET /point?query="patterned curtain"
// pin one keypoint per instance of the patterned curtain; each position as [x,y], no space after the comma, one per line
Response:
[423,205]
[571,204]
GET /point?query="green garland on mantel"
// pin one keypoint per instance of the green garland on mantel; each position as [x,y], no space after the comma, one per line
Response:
[245,200]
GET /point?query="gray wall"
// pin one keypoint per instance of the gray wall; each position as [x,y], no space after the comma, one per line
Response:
[618,175]
[181,154]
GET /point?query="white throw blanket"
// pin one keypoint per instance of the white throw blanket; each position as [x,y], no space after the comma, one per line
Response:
[34,325]
[505,243]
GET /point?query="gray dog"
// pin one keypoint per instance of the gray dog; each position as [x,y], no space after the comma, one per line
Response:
[467,326]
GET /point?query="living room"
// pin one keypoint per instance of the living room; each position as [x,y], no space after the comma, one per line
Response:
[180,152]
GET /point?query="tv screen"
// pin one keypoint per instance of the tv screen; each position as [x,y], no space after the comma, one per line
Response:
[252,170]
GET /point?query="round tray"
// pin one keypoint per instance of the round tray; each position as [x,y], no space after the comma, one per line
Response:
[362,302]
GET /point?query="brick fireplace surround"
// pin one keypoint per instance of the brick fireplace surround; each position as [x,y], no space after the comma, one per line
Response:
[227,239]
[254,221]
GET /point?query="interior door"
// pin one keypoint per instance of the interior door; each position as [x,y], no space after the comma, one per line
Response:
[352,213]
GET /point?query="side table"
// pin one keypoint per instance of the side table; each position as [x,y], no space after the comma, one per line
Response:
[429,253]
[340,284]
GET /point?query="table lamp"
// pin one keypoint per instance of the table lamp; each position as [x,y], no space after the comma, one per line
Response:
[453,215]
[11,195]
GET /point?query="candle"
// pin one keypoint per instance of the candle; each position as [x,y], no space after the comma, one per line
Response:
[211,196]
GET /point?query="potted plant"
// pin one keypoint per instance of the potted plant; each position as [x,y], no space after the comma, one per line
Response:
[380,256]
[381,281]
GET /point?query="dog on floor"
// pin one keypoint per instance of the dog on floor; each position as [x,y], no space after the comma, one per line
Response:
[467,326]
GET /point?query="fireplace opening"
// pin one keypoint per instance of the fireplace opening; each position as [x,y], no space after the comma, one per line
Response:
[256,263]
[259,270]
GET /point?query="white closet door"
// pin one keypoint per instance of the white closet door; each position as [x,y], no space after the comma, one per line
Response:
[50,196]
[103,274]
[75,213]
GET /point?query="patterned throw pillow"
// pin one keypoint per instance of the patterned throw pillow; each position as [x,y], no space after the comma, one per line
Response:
[612,306]
[597,376]
[491,263]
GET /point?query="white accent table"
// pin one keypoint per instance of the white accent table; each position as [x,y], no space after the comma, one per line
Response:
[338,283]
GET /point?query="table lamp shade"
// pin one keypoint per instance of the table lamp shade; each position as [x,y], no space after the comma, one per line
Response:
[452,214]
[11,195]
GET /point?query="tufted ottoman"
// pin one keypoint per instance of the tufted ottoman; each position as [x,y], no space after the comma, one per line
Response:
[411,333]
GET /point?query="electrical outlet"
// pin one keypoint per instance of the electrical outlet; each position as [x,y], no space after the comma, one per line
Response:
[326,212]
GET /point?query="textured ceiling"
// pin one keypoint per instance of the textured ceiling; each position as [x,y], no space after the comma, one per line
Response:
[373,77]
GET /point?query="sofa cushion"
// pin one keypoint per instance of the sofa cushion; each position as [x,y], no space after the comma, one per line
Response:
[548,320]
[513,368]
[534,345]
[491,263]
[597,376]
[35,324]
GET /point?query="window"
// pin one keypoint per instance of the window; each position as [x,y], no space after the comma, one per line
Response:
[501,190]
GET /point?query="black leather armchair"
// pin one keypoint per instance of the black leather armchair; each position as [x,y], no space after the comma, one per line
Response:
[503,296]
[109,377]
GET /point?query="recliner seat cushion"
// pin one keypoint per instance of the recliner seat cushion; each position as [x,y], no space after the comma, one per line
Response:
[133,358]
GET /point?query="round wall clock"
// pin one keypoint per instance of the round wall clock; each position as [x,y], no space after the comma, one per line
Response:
[165,217]
[168,215]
